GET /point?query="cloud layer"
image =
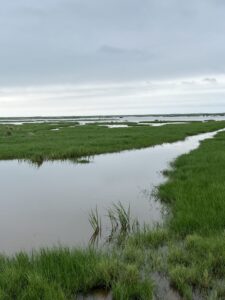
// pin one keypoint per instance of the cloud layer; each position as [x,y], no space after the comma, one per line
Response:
[75,43]
[201,95]
[82,40]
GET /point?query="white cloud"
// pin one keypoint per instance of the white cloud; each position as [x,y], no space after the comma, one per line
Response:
[142,97]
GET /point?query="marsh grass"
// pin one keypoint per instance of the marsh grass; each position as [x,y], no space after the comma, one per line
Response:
[113,219]
[64,273]
[197,264]
[195,192]
[8,131]
[122,223]
[189,250]
[122,216]
[85,141]
[96,224]
[195,189]
[120,220]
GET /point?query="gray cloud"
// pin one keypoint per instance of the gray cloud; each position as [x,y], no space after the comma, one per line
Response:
[120,50]
[55,41]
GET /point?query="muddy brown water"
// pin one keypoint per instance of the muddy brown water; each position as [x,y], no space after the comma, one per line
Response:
[50,205]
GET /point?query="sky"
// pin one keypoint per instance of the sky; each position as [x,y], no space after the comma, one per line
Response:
[93,57]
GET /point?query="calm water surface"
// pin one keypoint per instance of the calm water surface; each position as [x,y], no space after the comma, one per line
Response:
[140,118]
[50,205]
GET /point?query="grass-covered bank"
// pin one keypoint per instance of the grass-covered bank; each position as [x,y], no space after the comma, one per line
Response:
[38,142]
[195,192]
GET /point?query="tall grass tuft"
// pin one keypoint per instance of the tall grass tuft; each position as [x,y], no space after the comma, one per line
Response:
[123,217]
[96,224]
[121,223]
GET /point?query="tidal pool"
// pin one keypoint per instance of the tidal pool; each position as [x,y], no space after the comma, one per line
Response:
[50,205]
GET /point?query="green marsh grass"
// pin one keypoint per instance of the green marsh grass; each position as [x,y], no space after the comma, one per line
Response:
[95,221]
[121,223]
[195,192]
[189,249]
[195,189]
[123,217]
[38,143]
[62,274]
[96,224]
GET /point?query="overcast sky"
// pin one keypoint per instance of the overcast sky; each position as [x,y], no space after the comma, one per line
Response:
[77,57]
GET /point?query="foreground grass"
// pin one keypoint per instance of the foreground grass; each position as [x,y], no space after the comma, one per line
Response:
[38,142]
[62,273]
[197,267]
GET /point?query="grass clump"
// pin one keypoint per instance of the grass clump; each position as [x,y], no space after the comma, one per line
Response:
[198,262]
[122,224]
[95,221]
[153,238]
[140,291]
[62,274]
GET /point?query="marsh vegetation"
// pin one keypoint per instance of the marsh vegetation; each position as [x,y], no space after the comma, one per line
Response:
[188,250]
[38,143]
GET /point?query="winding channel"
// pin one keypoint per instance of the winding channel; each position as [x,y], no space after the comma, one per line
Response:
[50,205]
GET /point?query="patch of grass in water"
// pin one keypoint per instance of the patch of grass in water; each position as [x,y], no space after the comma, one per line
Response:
[96,224]
[122,224]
